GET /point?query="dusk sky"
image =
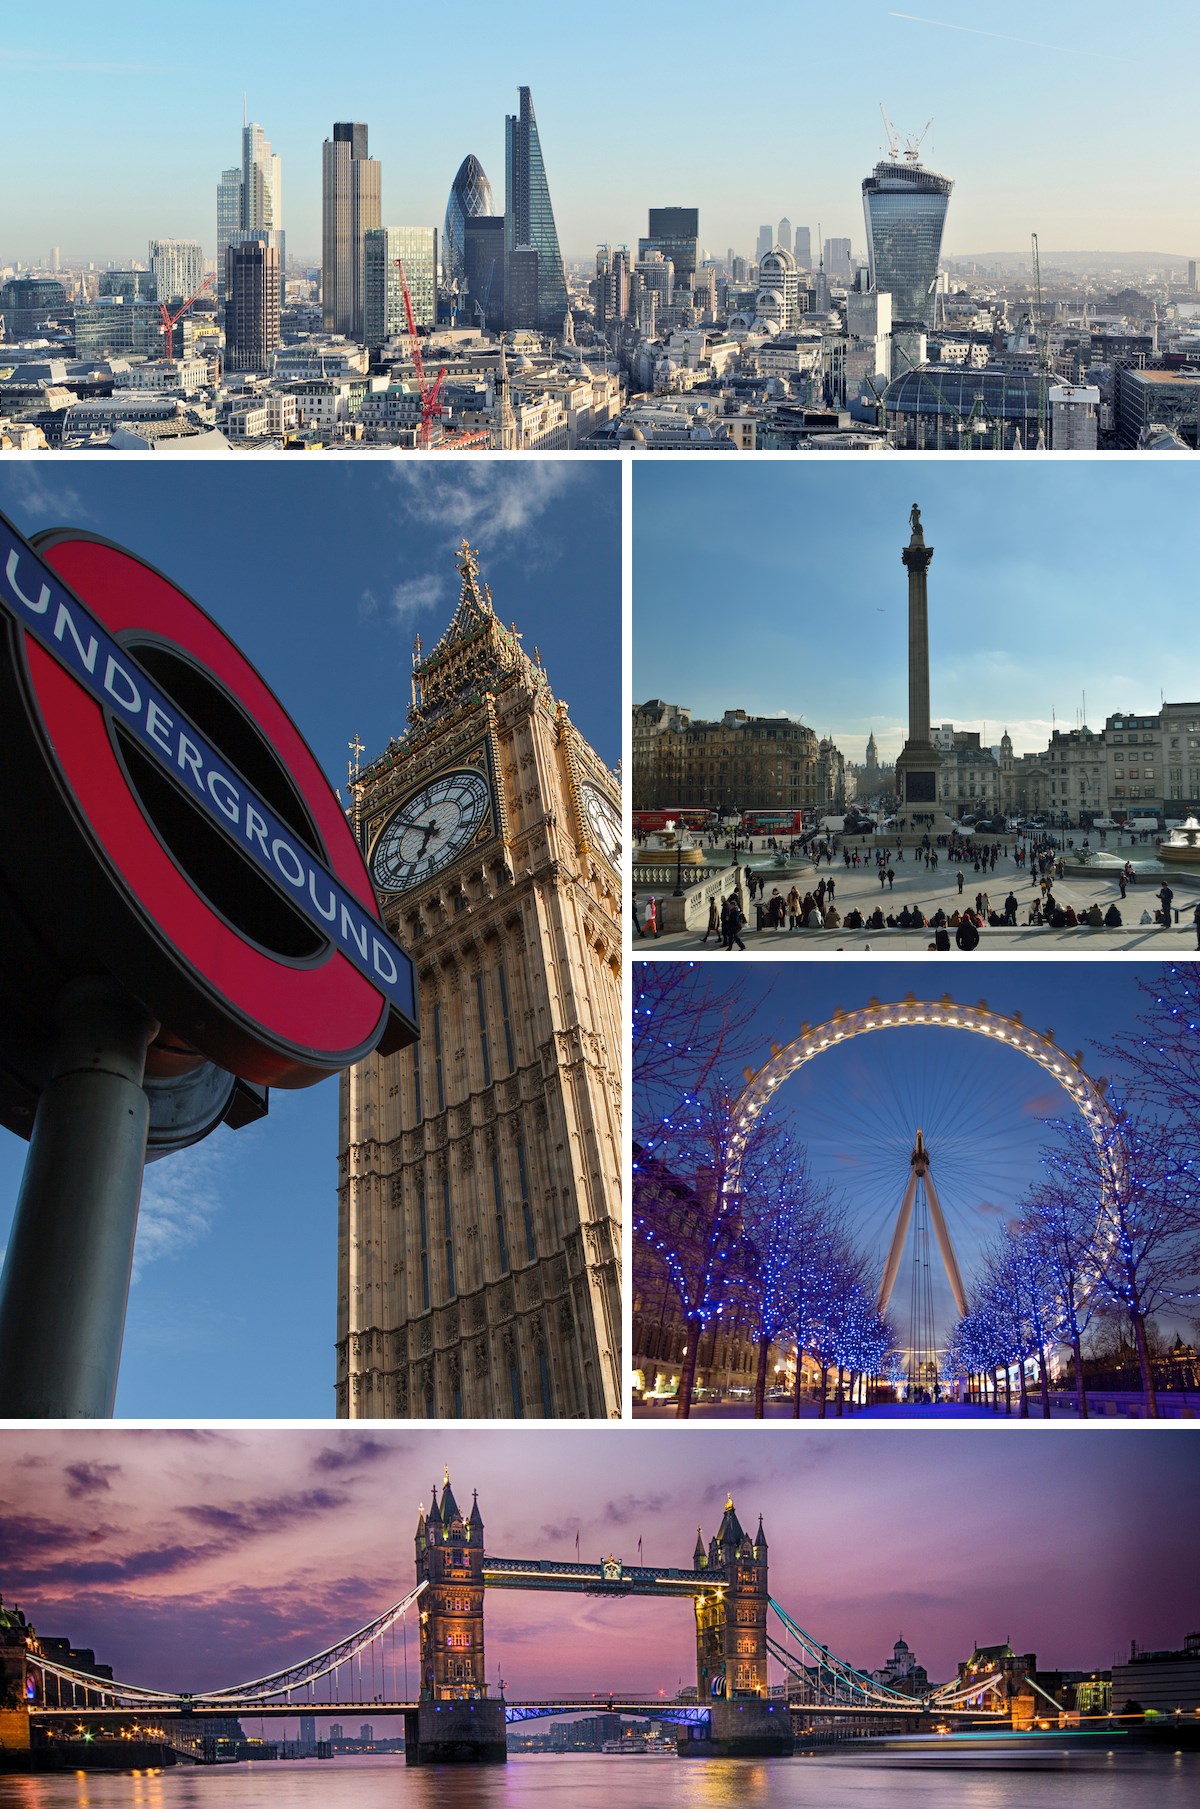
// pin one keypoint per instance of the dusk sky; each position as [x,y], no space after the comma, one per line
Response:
[322,576]
[985,1110]
[775,586]
[1049,119]
[191,1560]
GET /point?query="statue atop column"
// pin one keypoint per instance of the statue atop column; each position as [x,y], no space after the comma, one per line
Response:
[914,516]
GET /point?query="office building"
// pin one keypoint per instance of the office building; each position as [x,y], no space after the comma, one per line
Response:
[252,304]
[177,266]
[905,209]
[479,1180]
[483,271]
[470,199]
[1155,399]
[27,302]
[250,199]
[838,266]
[802,247]
[130,285]
[783,234]
[351,206]
[529,221]
[675,231]
[383,299]
[765,239]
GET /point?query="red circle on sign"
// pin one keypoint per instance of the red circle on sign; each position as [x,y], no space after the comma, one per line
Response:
[325,1009]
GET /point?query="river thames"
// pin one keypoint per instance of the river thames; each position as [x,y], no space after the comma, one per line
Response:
[1092,1780]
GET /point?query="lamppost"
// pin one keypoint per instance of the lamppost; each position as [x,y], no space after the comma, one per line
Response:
[678,892]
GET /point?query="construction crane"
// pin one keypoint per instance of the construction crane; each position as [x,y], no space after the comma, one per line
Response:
[912,146]
[169,320]
[1043,352]
[430,393]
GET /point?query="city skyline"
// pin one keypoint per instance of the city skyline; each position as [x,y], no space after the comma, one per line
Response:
[807,558]
[189,1559]
[981,87]
[323,582]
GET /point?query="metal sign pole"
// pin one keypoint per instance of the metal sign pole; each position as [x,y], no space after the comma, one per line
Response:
[65,1284]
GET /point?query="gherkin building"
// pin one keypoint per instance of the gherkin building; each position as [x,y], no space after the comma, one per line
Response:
[470,195]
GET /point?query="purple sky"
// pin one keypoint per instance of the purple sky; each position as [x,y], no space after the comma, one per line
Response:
[195,1559]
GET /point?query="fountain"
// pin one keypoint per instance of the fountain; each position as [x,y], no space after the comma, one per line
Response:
[1182,846]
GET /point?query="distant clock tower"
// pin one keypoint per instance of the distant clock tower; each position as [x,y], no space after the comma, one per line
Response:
[479,1183]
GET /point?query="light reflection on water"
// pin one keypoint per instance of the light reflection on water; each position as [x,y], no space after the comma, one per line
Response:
[1128,1780]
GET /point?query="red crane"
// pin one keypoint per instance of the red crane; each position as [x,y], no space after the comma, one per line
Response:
[430,393]
[169,320]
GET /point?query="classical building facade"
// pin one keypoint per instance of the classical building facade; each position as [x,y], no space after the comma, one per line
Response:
[479,1186]
[743,762]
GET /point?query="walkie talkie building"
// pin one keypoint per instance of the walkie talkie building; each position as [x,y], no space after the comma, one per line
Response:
[905,207]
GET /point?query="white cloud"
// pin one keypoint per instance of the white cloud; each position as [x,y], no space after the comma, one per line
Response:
[412,595]
[490,501]
[44,492]
[181,1197]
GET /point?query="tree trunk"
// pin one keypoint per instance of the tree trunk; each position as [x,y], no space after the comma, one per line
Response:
[1143,1351]
[799,1381]
[760,1380]
[840,1374]
[1008,1390]
[1080,1390]
[687,1375]
[1044,1378]
[821,1414]
[1024,1413]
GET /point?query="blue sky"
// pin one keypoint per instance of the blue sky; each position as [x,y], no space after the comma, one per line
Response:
[776,586]
[984,1109]
[1062,119]
[322,575]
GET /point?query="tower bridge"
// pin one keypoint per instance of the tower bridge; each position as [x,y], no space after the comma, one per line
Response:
[451,1715]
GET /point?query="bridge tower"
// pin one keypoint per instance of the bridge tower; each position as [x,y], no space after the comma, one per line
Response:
[14,1701]
[454,1721]
[731,1648]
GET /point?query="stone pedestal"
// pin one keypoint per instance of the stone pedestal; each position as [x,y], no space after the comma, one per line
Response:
[455,1733]
[741,1730]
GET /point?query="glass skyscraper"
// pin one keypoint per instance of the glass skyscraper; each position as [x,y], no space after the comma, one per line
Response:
[470,196]
[528,216]
[905,207]
[383,307]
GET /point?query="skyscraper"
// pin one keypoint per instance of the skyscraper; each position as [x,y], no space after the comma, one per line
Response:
[483,270]
[675,231]
[529,217]
[351,205]
[765,236]
[802,247]
[470,197]
[383,298]
[250,199]
[783,234]
[252,286]
[905,207]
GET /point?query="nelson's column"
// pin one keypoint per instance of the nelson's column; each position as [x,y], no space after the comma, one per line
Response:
[918,809]
[479,1184]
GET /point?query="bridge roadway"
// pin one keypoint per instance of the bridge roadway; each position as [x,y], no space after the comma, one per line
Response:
[611,1578]
[600,1702]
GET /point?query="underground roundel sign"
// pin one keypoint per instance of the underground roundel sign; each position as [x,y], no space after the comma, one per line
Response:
[170,826]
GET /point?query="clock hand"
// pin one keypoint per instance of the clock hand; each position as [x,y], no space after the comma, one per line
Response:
[431,830]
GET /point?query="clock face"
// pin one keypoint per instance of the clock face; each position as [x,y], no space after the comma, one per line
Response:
[429,830]
[605,823]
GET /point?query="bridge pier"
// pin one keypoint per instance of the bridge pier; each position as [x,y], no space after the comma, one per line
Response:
[455,1733]
[740,1730]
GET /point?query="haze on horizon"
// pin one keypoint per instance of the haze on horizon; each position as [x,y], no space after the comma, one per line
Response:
[1052,124]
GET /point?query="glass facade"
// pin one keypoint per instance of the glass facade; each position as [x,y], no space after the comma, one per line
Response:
[675,231]
[529,217]
[470,196]
[383,307]
[905,208]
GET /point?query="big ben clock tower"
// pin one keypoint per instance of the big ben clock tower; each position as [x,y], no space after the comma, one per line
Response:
[479,1218]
